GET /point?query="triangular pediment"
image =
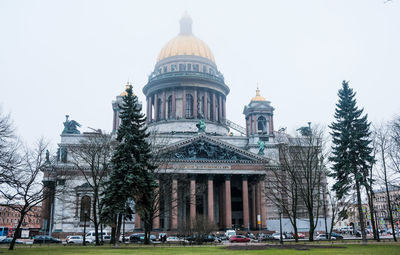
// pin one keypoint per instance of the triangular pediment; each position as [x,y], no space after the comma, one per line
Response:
[206,148]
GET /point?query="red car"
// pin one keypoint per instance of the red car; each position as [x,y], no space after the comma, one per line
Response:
[239,239]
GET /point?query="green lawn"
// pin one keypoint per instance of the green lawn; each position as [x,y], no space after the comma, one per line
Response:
[379,249]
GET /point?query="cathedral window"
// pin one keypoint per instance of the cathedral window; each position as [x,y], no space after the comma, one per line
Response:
[169,107]
[196,67]
[173,68]
[189,67]
[262,125]
[204,69]
[85,208]
[189,106]
[165,69]
[182,67]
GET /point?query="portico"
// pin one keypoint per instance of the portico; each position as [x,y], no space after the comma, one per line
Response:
[222,191]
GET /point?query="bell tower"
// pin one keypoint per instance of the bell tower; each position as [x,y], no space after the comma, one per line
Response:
[259,119]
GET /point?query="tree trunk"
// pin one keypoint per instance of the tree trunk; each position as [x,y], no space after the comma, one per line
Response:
[370,196]
[296,232]
[113,229]
[95,221]
[147,228]
[118,230]
[360,212]
[312,227]
[17,230]
[332,223]
[389,204]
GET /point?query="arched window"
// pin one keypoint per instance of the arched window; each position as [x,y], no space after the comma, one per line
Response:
[189,106]
[262,125]
[85,208]
[159,107]
[169,107]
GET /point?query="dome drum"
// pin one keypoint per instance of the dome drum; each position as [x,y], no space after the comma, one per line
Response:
[186,86]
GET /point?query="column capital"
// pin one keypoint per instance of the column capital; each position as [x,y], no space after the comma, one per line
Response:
[245,177]
[210,176]
[227,177]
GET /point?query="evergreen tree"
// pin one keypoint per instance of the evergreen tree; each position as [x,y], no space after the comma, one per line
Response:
[132,176]
[351,150]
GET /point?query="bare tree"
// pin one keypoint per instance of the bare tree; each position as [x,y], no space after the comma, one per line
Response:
[338,209]
[303,158]
[9,146]
[384,149]
[91,156]
[24,187]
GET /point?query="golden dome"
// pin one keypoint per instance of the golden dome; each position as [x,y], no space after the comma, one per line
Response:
[186,44]
[258,97]
[124,93]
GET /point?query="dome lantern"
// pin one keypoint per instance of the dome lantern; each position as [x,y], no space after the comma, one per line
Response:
[186,24]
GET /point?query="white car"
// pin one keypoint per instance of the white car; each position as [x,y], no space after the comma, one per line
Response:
[74,239]
[230,233]
[324,237]
[91,236]
[174,239]
[277,236]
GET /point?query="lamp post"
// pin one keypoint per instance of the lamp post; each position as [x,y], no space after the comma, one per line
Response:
[84,227]
[280,226]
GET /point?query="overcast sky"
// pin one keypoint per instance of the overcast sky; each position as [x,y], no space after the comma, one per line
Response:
[74,57]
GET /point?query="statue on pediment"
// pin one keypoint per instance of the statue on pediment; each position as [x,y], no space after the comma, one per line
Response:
[71,126]
[201,126]
[261,147]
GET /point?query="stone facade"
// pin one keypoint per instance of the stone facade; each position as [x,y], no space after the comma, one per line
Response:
[202,172]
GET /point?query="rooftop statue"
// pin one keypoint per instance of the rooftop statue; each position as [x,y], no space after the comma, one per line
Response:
[261,147]
[201,126]
[47,156]
[305,131]
[71,126]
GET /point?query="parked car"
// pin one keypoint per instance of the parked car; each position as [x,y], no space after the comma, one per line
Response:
[251,235]
[107,239]
[46,239]
[173,239]
[222,236]
[211,238]
[91,236]
[74,239]
[230,233]
[288,236]
[8,241]
[123,238]
[136,238]
[277,236]
[265,237]
[239,239]
[161,235]
[337,236]
[324,237]
[300,236]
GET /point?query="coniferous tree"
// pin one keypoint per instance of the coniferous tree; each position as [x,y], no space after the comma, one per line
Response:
[351,150]
[132,176]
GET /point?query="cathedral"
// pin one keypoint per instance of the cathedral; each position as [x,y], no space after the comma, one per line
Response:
[209,166]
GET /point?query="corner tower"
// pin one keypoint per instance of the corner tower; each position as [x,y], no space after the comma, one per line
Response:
[185,87]
[259,119]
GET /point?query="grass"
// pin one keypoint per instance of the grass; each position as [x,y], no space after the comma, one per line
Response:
[378,249]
